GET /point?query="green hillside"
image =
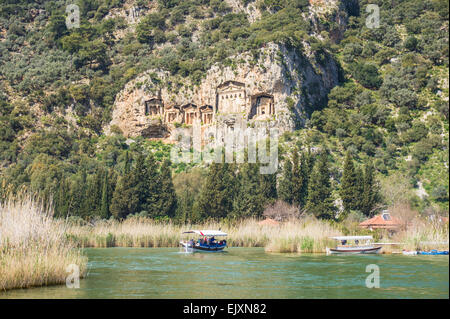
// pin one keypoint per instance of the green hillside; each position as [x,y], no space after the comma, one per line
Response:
[58,87]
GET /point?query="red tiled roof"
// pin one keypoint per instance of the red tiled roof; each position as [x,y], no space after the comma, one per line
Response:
[379,222]
[268,221]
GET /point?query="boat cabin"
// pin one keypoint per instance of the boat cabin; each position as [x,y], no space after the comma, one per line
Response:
[206,240]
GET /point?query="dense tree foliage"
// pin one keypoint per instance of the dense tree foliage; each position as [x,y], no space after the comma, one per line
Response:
[320,202]
[388,114]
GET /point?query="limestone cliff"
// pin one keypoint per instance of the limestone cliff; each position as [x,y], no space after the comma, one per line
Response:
[273,89]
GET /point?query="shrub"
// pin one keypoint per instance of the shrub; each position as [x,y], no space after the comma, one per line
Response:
[367,74]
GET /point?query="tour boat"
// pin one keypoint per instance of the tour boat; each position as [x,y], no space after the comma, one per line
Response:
[205,242]
[358,245]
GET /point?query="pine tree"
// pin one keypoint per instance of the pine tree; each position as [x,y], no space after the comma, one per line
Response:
[349,185]
[320,203]
[286,185]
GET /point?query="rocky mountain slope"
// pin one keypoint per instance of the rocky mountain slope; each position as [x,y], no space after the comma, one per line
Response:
[70,97]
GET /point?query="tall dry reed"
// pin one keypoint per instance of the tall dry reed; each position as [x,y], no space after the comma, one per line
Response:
[305,235]
[34,249]
[416,232]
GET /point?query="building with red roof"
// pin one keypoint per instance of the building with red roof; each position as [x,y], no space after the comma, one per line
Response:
[382,221]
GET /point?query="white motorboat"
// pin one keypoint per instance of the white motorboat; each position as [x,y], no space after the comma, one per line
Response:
[354,245]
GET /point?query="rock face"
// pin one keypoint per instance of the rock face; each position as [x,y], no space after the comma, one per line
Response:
[273,90]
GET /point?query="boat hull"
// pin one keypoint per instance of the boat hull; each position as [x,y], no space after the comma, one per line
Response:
[202,248]
[354,250]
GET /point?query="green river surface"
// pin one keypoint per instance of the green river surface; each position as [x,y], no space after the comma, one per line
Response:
[248,273]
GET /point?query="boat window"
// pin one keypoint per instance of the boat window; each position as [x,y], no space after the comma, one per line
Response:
[386,216]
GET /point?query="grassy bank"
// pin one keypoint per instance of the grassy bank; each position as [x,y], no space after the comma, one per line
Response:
[306,235]
[34,250]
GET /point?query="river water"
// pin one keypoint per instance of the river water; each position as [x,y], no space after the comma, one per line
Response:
[249,273]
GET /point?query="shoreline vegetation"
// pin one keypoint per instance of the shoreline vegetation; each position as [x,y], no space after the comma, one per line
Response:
[36,248]
[304,235]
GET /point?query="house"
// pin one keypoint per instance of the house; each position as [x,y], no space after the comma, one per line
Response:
[382,221]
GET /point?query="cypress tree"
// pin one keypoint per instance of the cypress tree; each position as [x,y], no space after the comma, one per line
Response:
[319,202]
[80,194]
[125,200]
[249,201]
[370,196]
[268,185]
[296,179]
[359,189]
[286,186]
[349,185]
[104,209]
[141,183]
[167,196]
[217,194]
[299,180]
[127,163]
[304,175]
[96,194]
[62,199]
[153,187]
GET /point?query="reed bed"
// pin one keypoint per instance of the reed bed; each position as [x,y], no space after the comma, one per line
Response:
[34,250]
[416,232]
[420,235]
[305,235]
